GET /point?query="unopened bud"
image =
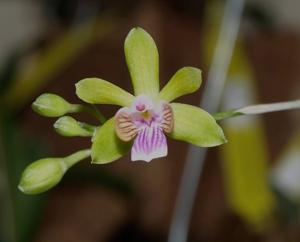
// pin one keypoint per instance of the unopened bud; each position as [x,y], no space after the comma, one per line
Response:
[68,126]
[42,175]
[52,105]
[45,173]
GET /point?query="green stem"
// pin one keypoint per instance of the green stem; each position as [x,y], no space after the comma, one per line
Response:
[258,109]
[99,114]
[88,128]
[225,115]
[90,110]
[76,157]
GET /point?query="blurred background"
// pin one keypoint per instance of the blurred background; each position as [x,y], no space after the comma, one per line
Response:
[250,187]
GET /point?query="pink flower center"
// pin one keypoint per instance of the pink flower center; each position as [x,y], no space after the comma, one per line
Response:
[145,122]
[140,107]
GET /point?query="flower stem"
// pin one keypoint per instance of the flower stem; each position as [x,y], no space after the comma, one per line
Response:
[87,127]
[258,109]
[90,110]
[76,157]
[99,114]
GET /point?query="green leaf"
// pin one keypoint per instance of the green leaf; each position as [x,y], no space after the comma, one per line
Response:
[186,80]
[107,147]
[142,61]
[196,126]
[98,91]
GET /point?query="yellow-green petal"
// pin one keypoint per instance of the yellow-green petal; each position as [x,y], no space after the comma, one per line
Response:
[186,80]
[196,126]
[98,91]
[107,147]
[143,62]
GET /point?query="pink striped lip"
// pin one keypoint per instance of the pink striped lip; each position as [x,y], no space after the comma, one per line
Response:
[145,122]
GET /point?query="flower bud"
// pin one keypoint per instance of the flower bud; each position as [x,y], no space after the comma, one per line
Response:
[68,126]
[52,105]
[42,175]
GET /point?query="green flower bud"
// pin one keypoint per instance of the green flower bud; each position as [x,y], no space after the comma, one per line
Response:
[68,126]
[42,175]
[52,105]
[45,173]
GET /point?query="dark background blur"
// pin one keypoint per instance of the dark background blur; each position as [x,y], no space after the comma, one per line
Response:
[49,45]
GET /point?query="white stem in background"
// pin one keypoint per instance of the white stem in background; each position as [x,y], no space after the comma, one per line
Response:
[267,108]
[258,109]
[211,100]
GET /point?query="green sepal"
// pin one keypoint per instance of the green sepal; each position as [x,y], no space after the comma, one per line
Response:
[186,80]
[143,62]
[98,91]
[107,147]
[196,126]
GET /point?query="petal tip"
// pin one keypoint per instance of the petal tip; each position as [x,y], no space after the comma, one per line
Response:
[136,29]
[142,59]
[149,144]
[78,90]
[94,162]
[98,91]
[185,81]
[20,187]
[150,157]
[222,140]
[196,126]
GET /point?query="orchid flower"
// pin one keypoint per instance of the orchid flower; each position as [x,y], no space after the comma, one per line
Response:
[144,120]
